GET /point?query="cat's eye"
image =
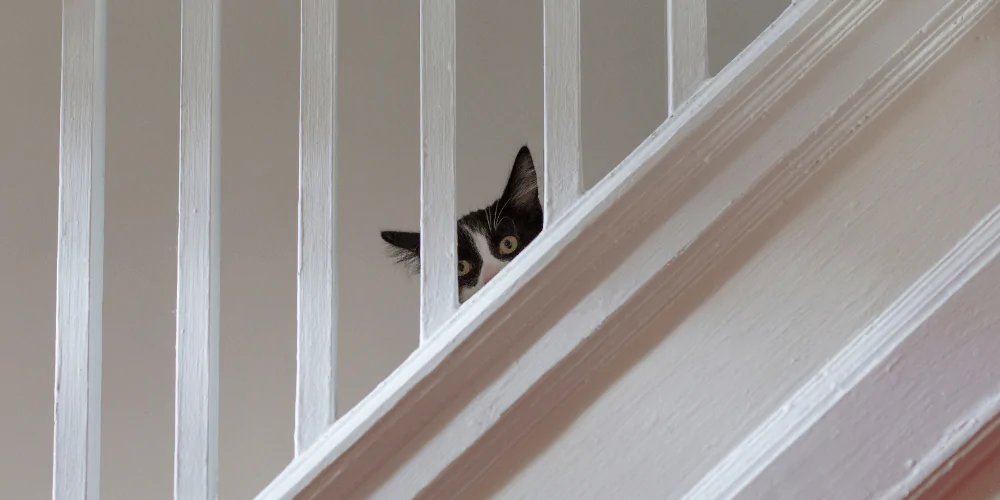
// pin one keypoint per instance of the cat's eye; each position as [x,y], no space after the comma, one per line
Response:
[464,267]
[508,245]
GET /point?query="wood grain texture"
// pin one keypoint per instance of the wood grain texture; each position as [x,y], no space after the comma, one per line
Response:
[973,470]
[927,364]
[733,474]
[316,362]
[80,254]
[196,419]
[687,50]
[563,151]
[465,396]
[438,258]
[704,373]
[735,223]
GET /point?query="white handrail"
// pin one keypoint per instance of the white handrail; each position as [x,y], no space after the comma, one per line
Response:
[76,468]
[196,440]
[561,61]
[316,401]
[76,472]
[687,50]
[438,258]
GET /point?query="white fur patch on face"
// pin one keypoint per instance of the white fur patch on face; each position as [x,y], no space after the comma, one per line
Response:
[491,265]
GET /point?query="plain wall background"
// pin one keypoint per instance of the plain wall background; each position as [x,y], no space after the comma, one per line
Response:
[499,106]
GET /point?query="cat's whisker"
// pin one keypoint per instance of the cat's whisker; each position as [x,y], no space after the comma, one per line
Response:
[477,230]
[498,213]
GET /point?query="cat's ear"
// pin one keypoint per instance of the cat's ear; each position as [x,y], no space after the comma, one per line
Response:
[404,246]
[522,185]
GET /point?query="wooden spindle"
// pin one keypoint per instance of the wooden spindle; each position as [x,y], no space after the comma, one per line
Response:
[315,402]
[562,165]
[76,472]
[687,50]
[196,440]
[438,260]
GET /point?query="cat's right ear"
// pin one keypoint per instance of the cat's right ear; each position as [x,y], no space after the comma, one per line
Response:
[522,185]
[404,246]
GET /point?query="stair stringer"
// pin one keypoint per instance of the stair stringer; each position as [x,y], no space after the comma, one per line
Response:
[637,242]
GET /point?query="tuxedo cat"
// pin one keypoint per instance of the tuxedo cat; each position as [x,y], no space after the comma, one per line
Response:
[488,238]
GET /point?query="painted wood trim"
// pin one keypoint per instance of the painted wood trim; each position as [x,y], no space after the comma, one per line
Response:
[677,272]
[687,50]
[76,471]
[196,413]
[882,375]
[911,61]
[316,359]
[561,66]
[508,369]
[438,258]
[981,446]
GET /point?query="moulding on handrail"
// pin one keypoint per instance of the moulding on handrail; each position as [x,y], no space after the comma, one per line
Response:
[489,368]
[346,432]
[955,20]
[854,389]
[967,443]
[973,445]
[758,203]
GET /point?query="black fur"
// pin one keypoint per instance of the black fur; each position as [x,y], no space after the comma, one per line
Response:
[517,212]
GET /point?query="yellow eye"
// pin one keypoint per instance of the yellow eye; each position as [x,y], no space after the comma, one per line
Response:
[508,245]
[464,267]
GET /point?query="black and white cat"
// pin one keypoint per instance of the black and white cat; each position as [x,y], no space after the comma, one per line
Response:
[488,238]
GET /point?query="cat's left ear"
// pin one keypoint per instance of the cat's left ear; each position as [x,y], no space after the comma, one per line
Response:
[522,185]
[404,246]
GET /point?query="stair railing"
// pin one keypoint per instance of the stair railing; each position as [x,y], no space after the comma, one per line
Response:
[77,434]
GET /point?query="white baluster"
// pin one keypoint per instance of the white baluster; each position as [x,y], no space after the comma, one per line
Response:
[562,164]
[687,50]
[315,402]
[196,444]
[80,255]
[438,260]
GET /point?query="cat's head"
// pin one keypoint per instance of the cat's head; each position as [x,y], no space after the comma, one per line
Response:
[488,238]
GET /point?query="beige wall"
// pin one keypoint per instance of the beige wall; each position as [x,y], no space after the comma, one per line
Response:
[499,102]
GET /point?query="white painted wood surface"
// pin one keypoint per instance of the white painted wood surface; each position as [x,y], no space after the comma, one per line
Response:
[681,226]
[563,154]
[911,388]
[973,472]
[687,50]
[438,257]
[316,396]
[869,224]
[196,414]
[456,449]
[80,254]
[840,388]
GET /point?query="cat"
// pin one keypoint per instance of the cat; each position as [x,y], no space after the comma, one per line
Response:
[489,238]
